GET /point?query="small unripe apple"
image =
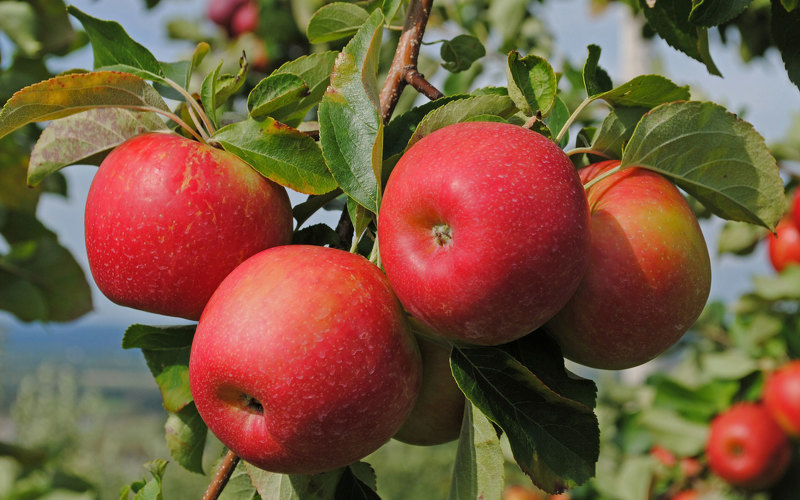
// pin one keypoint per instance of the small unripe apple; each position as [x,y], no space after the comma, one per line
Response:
[649,272]
[302,361]
[245,19]
[483,231]
[784,244]
[747,448]
[167,218]
[782,397]
[439,410]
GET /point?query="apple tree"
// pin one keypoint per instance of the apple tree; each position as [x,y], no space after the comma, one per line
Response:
[476,270]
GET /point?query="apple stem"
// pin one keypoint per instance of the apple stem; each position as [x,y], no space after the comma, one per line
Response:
[604,175]
[221,477]
[572,119]
[169,114]
[589,151]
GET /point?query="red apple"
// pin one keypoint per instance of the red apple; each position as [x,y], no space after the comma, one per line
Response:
[687,495]
[437,414]
[302,361]
[221,12]
[167,218]
[782,397]
[649,273]
[245,19]
[483,231]
[784,244]
[794,206]
[747,448]
[517,492]
[663,455]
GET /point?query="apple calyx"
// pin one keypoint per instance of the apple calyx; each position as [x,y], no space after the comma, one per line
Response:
[442,234]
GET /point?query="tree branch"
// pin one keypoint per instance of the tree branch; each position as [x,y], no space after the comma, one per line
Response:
[423,86]
[405,58]
[226,467]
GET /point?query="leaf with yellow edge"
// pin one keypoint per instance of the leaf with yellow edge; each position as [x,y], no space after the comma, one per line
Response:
[69,94]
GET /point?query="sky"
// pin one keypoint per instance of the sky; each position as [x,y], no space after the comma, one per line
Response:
[761,88]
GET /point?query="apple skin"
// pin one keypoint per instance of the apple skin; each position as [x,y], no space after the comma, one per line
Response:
[649,272]
[483,231]
[167,218]
[784,244]
[245,19]
[782,397]
[221,12]
[439,410]
[316,337]
[747,448]
[687,495]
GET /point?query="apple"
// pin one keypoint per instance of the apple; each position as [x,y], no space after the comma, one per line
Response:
[747,448]
[483,231]
[784,244]
[245,19]
[439,410]
[167,218]
[663,455]
[518,492]
[221,12]
[782,397]
[302,361]
[687,495]
[649,272]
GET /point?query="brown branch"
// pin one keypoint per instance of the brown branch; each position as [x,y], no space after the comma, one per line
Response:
[405,58]
[226,467]
[423,86]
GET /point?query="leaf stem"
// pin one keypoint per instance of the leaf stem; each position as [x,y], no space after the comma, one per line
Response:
[589,151]
[572,118]
[604,175]
[375,254]
[192,103]
[221,477]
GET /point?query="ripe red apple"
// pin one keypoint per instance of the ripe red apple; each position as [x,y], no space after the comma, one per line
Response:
[649,273]
[437,414]
[747,448]
[782,397]
[784,244]
[302,361]
[687,495]
[245,19]
[663,455]
[483,231]
[167,218]
[221,12]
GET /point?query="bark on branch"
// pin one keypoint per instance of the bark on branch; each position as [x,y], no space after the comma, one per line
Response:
[223,474]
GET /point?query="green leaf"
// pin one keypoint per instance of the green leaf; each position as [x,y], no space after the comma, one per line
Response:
[783,286]
[63,96]
[531,83]
[554,439]
[739,238]
[274,92]
[170,368]
[303,211]
[684,437]
[790,5]
[186,437]
[147,489]
[228,84]
[402,126]
[295,486]
[616,130]
[461,110]
[334,21]
[595,79]
[478,471]
[112,45]
[714,156]
[715,12]
[635,478]
[18,21]
[239,486]
[558,118]
[697,403]
[208,94]
[315,70]
[670,19]
[317,234]
[351,131]
[459,53]
[360,217]
[646,91]
[280,153]
[731,364]
[86,138]
[157,338]
[786,33]
[358,482]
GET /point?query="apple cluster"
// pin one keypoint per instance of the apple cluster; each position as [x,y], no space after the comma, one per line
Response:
[784,243]
[304,359]
[749,444]
[236,17]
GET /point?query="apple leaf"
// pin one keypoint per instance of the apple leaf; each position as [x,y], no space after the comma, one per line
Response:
[783,286]
[280,153]
[86,138]
[402,126]
[646,91]
[18,23]
[295,486]
[459,53]
[158,338]
[461,110]
[559,116]
[714,156]
[112,45]
[147,489]
[685,437]
[274,92]
[670,19]
[317,234]
[303,211]
[208,94]
[351,131]
[697,403]
[554,438]
[170,368]
[531,83]
[217,88]
[739,238]
[239,486]
[790,5]
[315,70]
[616,130]
[360,217]
[334,21]
[786,33]
[595,79]
[715,12]
[66,95]
[478,471]
[358,482]
[185,434]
